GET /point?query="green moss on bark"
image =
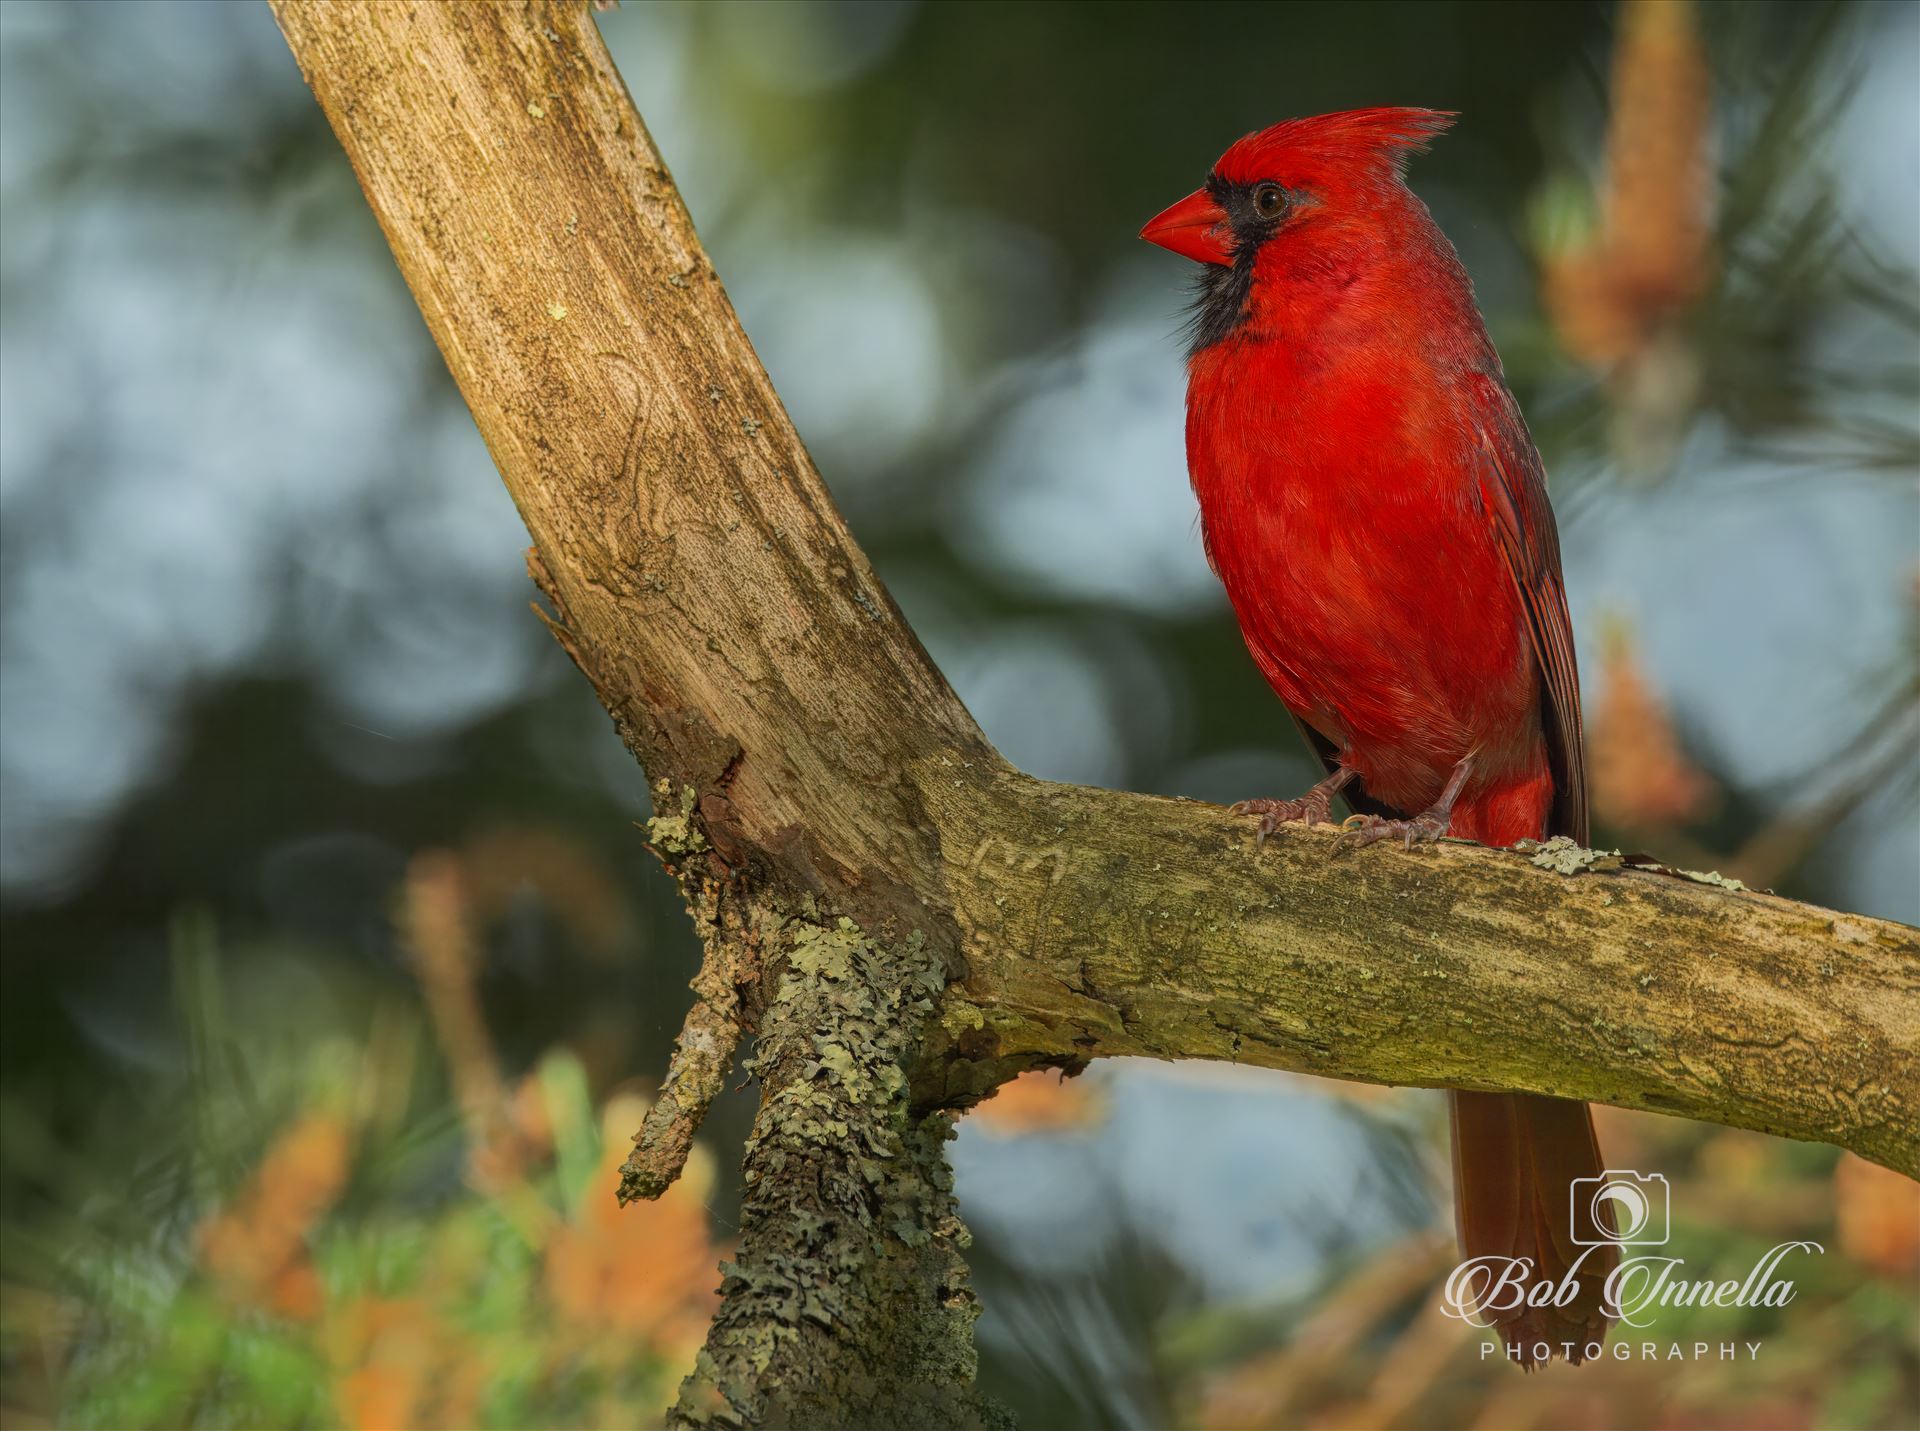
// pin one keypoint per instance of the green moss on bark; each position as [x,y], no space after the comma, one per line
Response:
[848,1304]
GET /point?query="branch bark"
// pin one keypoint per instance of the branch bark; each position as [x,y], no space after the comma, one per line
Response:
[903,919]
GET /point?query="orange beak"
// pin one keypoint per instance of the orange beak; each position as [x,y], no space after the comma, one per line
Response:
[1194,228]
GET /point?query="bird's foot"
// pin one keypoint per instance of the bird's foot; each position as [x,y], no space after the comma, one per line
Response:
[1310,809]
[1429,826]
[1423,829]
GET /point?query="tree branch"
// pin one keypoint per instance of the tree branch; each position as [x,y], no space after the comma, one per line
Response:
[1099,923]
[921,921]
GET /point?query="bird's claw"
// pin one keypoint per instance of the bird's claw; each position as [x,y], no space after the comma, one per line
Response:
[1359,831]
[1310,809]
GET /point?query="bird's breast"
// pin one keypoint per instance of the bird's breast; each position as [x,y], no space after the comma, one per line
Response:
[1345,528]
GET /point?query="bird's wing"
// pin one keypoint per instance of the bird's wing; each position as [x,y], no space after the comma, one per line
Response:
[1513,494]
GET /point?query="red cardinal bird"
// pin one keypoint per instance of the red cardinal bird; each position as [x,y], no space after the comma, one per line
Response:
[1376,510]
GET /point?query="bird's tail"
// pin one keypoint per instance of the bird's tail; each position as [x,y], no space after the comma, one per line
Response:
[1515,1158]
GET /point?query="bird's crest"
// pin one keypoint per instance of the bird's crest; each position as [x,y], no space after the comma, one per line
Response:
[1332,149]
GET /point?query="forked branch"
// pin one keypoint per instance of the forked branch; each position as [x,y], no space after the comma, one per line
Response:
[922,920]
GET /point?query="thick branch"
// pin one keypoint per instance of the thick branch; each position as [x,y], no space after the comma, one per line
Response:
[1102,923]
[704,581]
[706,576]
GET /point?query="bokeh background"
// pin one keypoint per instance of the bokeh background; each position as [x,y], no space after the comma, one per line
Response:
[335,973]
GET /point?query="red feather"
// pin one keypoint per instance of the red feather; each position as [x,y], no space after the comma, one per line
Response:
[1378,514]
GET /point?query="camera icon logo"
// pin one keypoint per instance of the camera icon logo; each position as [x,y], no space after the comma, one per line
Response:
[1621,1207]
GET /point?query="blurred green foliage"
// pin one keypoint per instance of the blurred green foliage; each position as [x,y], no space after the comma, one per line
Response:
[322,1244]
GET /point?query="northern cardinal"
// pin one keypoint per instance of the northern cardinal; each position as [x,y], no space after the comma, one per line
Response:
[1373,504]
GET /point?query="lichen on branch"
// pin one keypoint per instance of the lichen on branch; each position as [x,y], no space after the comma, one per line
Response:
[848,1301]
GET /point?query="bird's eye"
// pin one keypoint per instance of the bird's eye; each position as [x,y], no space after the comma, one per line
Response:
[1269,200]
